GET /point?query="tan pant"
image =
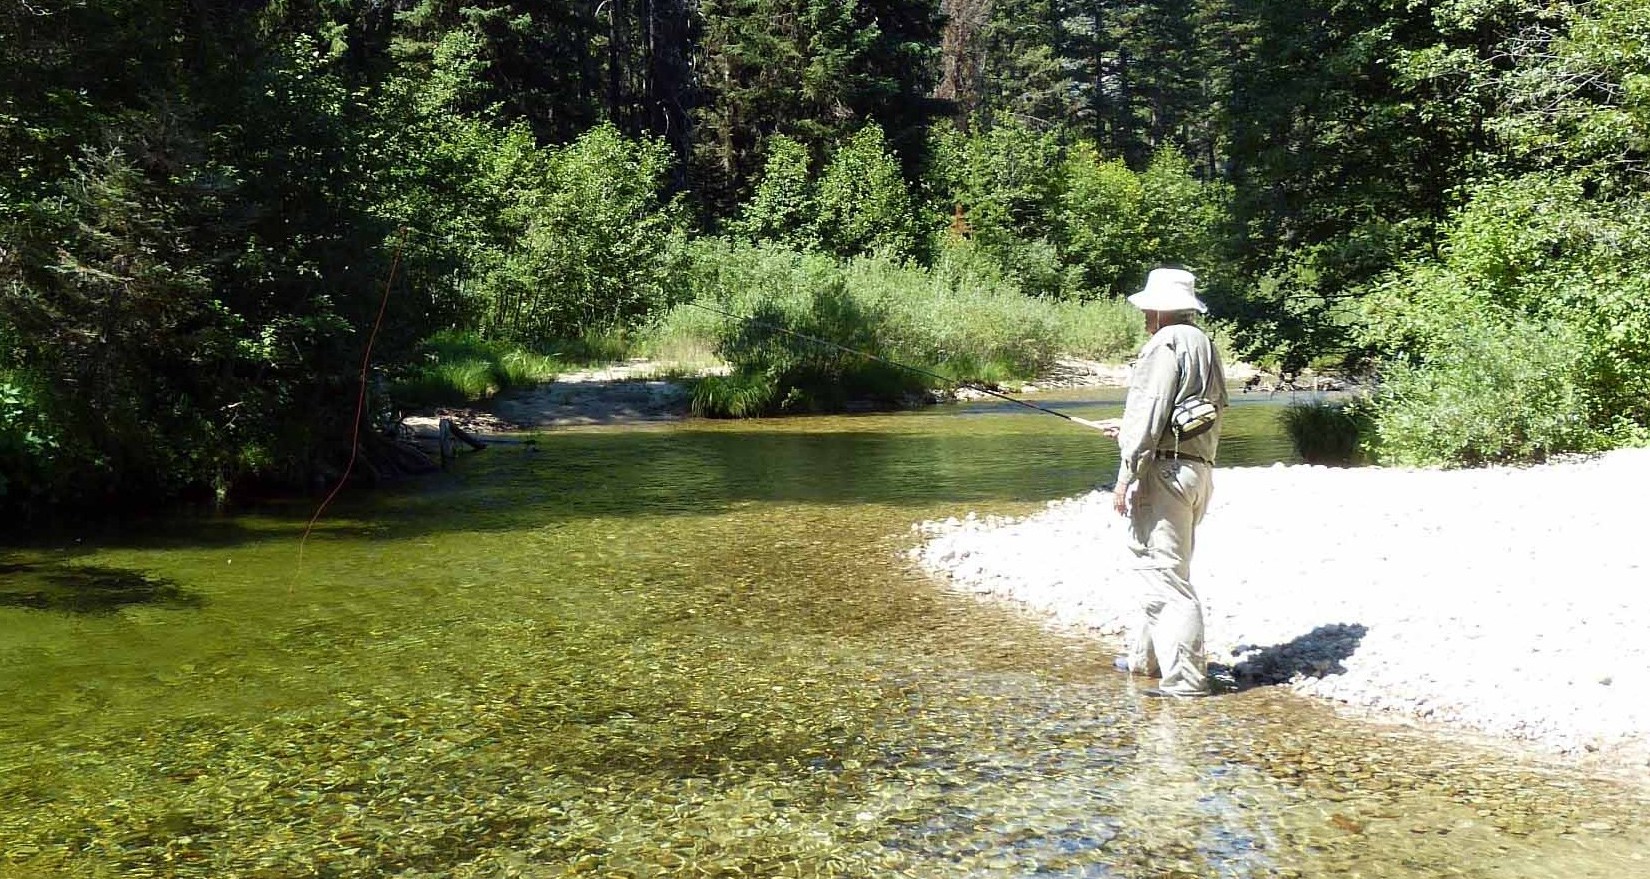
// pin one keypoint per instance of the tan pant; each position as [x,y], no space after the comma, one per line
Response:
[1169,502]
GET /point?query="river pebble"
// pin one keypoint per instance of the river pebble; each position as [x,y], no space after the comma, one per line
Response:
[1510,601]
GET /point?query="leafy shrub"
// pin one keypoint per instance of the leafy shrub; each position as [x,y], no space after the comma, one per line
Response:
[1184,215]
[864,204]
[1114,224]
[1498,393]
[1006,180]
[784,208]
[599,249]
[27,445]
[1543,291]
[1102,223]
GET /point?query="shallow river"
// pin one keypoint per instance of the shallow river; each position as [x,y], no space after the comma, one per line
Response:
[691,650]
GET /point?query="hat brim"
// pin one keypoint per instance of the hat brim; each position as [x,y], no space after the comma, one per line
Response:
[1159,300]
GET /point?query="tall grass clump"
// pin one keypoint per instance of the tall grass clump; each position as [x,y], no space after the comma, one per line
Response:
[455,367]
[1100,329]
[1332,433]
[962,319]
[602,344]
[773,370]
[953,321]
[737,395]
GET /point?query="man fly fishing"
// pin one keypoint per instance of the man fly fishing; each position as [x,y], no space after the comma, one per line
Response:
[1167,439]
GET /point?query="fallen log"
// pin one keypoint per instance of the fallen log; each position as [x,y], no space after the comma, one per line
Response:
[392,457]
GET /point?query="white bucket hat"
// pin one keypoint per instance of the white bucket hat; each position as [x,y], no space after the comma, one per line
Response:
[1169,290]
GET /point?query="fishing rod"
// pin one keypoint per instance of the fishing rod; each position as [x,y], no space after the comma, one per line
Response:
[1101,426]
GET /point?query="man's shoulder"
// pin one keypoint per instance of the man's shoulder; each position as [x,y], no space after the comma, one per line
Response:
[1179,337]
[1179,331]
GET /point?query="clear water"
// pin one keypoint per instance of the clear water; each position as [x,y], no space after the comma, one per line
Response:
[690,650]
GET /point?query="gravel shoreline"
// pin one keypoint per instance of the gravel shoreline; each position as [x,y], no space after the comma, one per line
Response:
[1508,601]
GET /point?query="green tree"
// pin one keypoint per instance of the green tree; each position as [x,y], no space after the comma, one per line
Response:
[1006,181]
[1186,220]
[783,209]
[1528,258]
[1524,333]
[1343,154]
[564,67]
[1024,73]
[864,205]
[1102,224]
[1578,94]
[814,70]
[598,244]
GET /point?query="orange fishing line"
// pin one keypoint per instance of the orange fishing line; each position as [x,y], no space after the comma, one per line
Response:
[360,398]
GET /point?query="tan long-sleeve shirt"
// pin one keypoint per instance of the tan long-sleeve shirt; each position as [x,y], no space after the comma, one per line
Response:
[1178,363]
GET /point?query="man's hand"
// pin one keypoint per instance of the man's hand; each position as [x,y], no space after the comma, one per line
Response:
[1120,498]
[1109,426]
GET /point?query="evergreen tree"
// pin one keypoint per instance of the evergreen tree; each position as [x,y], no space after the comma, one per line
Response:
[815,70]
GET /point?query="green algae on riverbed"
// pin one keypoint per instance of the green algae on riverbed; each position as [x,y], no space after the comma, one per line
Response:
[693,650]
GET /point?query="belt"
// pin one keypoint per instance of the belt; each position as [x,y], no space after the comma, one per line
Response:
[1182,456]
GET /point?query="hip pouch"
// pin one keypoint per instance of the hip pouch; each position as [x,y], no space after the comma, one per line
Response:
[1192,416]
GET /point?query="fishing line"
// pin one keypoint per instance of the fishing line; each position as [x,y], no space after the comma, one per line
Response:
[360,398]
[916,369]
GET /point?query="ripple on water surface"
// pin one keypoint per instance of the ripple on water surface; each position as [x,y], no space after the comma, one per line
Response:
[694,650]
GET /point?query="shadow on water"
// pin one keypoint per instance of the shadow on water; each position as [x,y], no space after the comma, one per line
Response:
[912,460]
[1318,653]
[86,589]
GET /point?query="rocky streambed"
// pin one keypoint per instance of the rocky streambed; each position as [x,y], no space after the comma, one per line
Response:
[1508,601]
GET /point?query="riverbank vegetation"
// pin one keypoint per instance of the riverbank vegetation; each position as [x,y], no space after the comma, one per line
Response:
[212,212]
[804,314]
[453,368]
[1329,433]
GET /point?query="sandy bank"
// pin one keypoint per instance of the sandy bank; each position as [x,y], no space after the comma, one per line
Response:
[1514,602]
[632,392]
[623,393]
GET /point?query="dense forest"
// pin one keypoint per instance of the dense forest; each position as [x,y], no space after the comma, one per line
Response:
[214,205]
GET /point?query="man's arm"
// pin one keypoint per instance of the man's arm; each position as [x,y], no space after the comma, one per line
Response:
[1107,426]
[1152,388]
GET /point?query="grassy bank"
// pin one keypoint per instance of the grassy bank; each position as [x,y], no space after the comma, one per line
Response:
[961,319]
[457,367]
[790,326]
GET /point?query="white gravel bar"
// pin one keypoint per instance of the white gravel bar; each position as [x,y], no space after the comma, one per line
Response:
[1511,601]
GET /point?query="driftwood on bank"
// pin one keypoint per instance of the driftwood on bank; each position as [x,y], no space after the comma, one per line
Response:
[388,457]
[448,433]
